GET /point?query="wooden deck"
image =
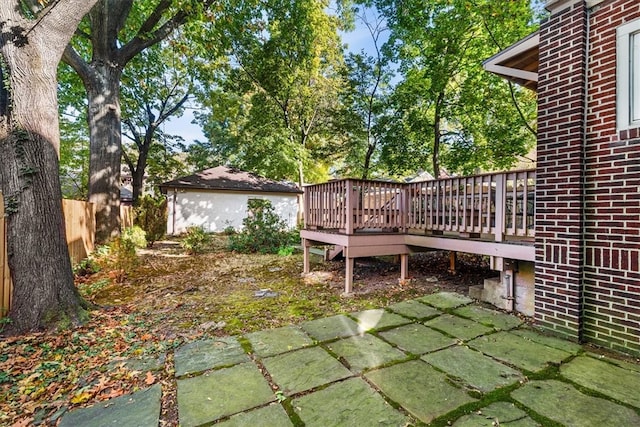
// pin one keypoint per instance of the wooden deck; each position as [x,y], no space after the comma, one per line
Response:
[489,214]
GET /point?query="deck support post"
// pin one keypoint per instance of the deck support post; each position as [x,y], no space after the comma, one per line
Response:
[404,266]
[453,262]
[305,256]
[348,275]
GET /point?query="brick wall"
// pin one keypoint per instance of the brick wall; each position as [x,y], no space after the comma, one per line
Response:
[612,195]
[558,292]
[559,208]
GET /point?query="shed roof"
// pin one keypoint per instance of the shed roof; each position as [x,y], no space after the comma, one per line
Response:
[225,178]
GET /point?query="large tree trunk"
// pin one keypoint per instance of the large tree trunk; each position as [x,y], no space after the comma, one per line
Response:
[105,149]
[43,290]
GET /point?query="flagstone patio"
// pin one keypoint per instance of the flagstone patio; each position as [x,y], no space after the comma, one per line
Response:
[440,359]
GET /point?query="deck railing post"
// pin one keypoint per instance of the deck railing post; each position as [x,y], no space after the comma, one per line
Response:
[501,209]
[349,199]
[405,192]
[306,207]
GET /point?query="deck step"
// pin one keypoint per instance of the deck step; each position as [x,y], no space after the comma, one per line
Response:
[332,252]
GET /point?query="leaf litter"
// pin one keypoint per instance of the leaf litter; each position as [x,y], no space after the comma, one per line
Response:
[172,298]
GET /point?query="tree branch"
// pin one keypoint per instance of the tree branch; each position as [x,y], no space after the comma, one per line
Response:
[147,36]
[75,61]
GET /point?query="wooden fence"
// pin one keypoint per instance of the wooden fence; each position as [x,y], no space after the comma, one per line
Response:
[80,226]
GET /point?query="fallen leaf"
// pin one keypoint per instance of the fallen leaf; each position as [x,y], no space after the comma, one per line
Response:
[150,378]
[81,397]
[22,422]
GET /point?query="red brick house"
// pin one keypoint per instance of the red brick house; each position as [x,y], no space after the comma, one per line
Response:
[584,64]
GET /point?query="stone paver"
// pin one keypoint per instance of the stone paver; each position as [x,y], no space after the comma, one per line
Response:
[420,389]
[365,352]
[497,414]
[141,408]
[604,377]
[268,416]
[348,403]
[200,356]
[621,363]
[458,327]
[518,351]
[330,328]
[414,309]
[446,300]
[549,341]
[377,319]
[221,393]
[474,368]
[562,403]
[491,318]
[304,369]
[307,362]
[279,340]
[417,339]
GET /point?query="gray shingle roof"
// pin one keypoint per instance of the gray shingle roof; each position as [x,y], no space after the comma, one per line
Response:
[229,179]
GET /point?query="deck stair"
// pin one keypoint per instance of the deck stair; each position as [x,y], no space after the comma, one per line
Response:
[332,252]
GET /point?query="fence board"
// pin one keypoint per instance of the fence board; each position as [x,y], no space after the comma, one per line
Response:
[5,279]
[80,226]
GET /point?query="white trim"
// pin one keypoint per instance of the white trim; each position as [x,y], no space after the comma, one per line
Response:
[555,6]
[493,64]
[628,75]
[512,72]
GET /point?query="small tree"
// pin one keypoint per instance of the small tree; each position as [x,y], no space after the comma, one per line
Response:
[263,230]
[151,216]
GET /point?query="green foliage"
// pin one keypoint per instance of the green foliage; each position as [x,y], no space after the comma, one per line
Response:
[285,251]
[118,258]
[93,287]
[447,112]
[272,113]
[229,230]
[263,231]
[136,235]
[151,216]
[196,240]
[86,267]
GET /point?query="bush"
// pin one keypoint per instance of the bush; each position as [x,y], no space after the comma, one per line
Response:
[151,216]
[118,258]
[86,267]
[196,240]
[135,235]
[263,231]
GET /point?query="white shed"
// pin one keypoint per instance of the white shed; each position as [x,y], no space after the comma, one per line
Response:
[217,198]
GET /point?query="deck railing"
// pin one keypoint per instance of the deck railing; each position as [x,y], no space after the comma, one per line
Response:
[500,204]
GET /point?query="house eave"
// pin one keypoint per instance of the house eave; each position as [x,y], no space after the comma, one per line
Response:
[164,189]
[517,63]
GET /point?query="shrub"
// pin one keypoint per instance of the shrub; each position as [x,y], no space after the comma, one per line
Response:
[118,258]
[86,267]
[135,235]
[151,216]
[263,231]
[196,240]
